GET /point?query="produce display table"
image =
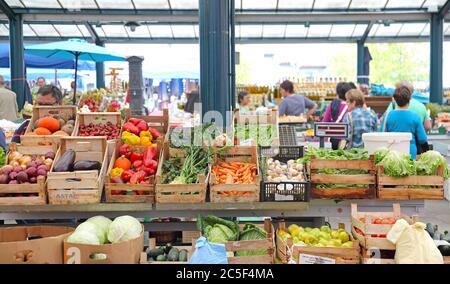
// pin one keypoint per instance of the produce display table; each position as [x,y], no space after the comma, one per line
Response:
[317,208]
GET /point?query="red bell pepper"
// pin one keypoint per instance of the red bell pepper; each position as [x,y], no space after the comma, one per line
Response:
[137,164]
[130,127]
[155,133]
[125,150]
[136,156]
[149,155]
[135,121]
[149,171]
[126,175]
[138,177]
[142,125]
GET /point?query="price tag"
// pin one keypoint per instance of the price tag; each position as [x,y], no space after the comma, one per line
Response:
[282,197]
[313,259]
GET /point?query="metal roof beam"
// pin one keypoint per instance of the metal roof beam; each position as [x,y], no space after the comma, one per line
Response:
[4,7]
[95,38]
[444,9]
[366,32]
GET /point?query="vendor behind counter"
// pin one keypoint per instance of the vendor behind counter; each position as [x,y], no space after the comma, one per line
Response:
[294,104]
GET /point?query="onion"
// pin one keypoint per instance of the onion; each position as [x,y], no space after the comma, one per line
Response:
[14,155]
[25,160]
[48,163]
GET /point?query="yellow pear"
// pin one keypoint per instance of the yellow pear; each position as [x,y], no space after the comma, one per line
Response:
[344,237]
[292,227]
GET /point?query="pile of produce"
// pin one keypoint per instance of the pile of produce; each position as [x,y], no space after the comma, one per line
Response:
[400,165]
[67,163]
[134,166]
[53,125]
[100,230]
[280,172]
[235,173]
[292,118]
[167,253]
[443,238]
[25,169]
[195,163]
[137,132]
[92,99]
[207,134]
[2,156]
[218,230]
[323,237]
[109,129]
[264,135]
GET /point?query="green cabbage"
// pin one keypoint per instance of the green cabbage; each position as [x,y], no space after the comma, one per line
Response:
[218,234]
[429,163]
[92,228]
[252,232]
[398,165]
[124,228]
[83,237]
[102,223]
[212,226]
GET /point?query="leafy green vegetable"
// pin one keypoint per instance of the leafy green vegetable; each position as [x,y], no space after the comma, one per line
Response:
[195,163]
[171,169]
[380,154]
[252,232]
[207,225]
[262,134]
[429,163]
[219,234]
[398,165]
[2,157]
[328,154]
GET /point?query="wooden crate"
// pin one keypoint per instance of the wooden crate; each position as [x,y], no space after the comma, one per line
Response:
[188,236]
[97,118]
[286,250]
[179,193]
[148,191]
[271,117]
[11,194]
[158,122]
[376,256]
[425,187]
[446,259]
[247,154]
[369,179]
[65,112]
[80,187]
[152,245]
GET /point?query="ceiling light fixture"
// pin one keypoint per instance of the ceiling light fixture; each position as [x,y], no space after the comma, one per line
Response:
[132,26]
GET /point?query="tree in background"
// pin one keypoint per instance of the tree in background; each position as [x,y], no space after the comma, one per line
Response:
[343,64]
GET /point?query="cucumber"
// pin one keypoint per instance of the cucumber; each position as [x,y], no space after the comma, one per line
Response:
[161,257]
[168,247]
[173,254]
[182,256]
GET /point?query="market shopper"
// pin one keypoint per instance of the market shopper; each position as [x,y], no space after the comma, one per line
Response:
[337,109]
[49,95]
[414,105]
[243,101]
[404,120]
[360,119]
[294,104]
[8,102]
[193,97]
[365,89]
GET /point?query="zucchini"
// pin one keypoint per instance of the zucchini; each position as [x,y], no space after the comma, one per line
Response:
[154,252]
[172,255]
[161,257]
[183,255]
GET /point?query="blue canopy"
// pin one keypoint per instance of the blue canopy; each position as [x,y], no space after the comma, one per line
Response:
[33,61]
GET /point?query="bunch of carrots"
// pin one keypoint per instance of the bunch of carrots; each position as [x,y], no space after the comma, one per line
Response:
[235,173]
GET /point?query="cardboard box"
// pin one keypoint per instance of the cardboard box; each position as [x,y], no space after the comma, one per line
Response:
[128,252]
[16,246]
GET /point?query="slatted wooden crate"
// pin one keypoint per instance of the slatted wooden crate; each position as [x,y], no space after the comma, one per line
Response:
[144,193]
[286,250]
[410,188]
[79,187]
[179,193]
[376,256]
[222,193]
[366,192]
[26,194]
[152,245]
[97,118]
[65,112]
[158,122]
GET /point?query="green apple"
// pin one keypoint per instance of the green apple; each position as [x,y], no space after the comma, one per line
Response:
[325,229]
[325,236]
[337,242]
[334,234]
[292,228]
[344,237]
[308,229]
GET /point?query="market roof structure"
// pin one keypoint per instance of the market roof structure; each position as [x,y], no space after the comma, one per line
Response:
[172,21]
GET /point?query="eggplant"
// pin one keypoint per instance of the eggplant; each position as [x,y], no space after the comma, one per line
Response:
[65,163]
[85,165]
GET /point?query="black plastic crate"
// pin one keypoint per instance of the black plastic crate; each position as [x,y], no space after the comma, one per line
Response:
[285,191]
[282,153]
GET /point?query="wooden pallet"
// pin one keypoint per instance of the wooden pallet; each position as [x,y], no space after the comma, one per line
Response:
[158,122]
[369,179]
[286,250]
[247,154]
[425,187]
[65,112]
[97,118]
[80,187]
[13,194]
[178,193]
[147,192]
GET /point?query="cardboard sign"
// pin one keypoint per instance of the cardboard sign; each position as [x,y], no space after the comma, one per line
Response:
[314,259]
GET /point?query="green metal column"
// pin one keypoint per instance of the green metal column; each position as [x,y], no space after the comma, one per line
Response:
[215,57]
[100,70]
[16,58]
[436,57]
[360,62]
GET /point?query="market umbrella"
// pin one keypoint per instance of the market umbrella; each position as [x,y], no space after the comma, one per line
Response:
[76,49]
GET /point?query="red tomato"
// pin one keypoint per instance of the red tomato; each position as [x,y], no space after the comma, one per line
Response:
[116,192]
[382,236]
[377,221]
[385,221]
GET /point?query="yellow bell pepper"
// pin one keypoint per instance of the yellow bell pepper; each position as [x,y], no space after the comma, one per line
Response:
[146,141]
[131,139]
[125,134]
[116,172]
[146,133]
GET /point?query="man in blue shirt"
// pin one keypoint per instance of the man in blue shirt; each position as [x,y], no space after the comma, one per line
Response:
[293,104]
[360,119]
[404,120]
